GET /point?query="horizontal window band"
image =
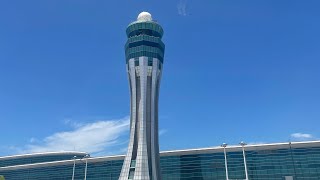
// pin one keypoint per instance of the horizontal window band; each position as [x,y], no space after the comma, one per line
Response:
[153,27]
[144,32]
[144,48]
[145,54]
[145,43]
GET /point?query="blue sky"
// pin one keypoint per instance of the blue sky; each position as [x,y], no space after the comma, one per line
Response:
[234,70]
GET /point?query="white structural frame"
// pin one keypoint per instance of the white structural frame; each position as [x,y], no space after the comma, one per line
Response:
[86,167]
[74,166]
[224,145]
[244,159]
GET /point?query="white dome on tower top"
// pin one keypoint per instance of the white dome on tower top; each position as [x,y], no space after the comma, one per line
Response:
[144,16]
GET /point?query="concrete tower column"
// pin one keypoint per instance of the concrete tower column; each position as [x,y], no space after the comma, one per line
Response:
[144,59]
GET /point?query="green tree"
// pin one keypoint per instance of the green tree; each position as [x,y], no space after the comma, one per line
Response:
[2,177]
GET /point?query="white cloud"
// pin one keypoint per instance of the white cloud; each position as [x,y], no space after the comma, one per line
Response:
[182,8]
[301,136]
[72,123]
[97,137]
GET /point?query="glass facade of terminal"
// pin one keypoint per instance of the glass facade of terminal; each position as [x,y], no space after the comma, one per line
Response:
[285,162]
[301,163]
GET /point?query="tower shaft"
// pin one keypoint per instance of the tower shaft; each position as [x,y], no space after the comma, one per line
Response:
[144,56]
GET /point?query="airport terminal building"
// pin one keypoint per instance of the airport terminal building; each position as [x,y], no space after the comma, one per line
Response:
[278,161]
[144,64]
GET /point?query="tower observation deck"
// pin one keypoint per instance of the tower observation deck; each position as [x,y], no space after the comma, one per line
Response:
[144,59]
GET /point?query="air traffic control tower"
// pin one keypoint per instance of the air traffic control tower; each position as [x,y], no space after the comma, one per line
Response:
[144,58]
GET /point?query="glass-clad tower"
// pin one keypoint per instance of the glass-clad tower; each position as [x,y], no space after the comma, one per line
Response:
[144,59]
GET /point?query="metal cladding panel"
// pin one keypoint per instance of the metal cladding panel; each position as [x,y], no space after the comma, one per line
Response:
[141,169]
[132,77]
[144,75]
[154,120]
